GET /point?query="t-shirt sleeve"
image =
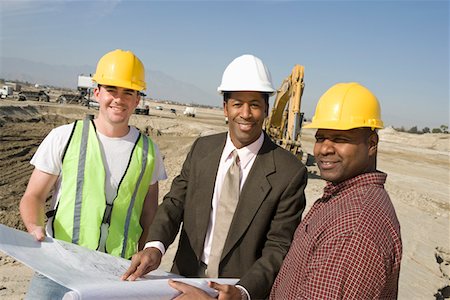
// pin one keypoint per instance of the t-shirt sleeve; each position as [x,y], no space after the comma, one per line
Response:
[48,156]
[159,171]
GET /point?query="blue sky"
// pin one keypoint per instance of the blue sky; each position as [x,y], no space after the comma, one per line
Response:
[398,49]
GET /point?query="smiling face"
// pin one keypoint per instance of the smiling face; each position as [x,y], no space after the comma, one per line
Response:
[245,112]
[344,154]
[116,104]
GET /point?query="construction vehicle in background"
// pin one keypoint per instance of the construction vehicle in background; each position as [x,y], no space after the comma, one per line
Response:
[68,98]
[6,91]
[40,95]
[189,111]
[85,87]
[285,119]
[143,108]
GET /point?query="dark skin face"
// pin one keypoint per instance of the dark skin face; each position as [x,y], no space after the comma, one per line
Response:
[246,111]
[344,154]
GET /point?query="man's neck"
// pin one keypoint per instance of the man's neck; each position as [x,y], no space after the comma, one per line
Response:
[111,130]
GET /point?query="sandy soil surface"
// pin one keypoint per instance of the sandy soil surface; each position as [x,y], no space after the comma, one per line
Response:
[417,166]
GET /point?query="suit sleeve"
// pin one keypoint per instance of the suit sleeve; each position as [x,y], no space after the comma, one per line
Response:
[286,217]
[169,215]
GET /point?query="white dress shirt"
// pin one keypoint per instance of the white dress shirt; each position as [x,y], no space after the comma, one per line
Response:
[247,156]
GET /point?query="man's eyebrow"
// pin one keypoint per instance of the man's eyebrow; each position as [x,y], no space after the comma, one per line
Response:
[242,100]
[338,135]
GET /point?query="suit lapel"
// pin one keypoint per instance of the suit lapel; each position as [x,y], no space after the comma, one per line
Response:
[207,171]
[253,193]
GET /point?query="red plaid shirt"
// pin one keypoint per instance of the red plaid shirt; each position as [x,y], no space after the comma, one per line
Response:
[347,247]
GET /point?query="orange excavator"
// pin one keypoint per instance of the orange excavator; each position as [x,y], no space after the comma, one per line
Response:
[285,119]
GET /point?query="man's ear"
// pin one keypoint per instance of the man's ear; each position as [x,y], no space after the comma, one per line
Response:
[96,92]
[225,108]
[373,143]
[138,98]
[267,107]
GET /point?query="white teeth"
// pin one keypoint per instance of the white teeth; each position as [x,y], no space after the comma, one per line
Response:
[245,126]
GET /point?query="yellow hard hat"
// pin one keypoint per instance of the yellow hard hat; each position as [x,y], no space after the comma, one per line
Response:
[122,69]
[346,106]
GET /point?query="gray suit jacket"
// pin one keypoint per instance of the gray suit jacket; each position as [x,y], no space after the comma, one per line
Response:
[269,210]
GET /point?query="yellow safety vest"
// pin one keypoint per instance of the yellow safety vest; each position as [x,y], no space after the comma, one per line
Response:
[82,206]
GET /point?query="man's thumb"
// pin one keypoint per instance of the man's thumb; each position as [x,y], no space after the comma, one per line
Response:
[217,286]
[38,233]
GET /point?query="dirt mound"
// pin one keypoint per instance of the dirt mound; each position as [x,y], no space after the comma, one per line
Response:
[17,114]
[429,141]
[22,130]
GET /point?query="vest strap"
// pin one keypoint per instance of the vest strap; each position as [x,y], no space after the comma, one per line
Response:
[133,198]
[80,181]
[107,215]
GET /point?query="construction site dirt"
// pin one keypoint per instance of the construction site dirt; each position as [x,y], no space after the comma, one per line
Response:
[418,168]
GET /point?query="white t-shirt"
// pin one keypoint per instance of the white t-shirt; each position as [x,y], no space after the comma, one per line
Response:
[116,153]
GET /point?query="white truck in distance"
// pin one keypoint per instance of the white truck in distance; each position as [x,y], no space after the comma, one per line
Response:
[6,91]
[189,112]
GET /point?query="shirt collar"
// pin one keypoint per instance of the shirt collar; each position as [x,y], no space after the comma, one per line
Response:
[245,153]
[331,189]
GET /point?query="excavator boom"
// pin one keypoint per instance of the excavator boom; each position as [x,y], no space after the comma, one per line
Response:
[285,119]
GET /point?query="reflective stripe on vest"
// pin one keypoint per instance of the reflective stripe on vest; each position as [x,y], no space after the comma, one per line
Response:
[82,205]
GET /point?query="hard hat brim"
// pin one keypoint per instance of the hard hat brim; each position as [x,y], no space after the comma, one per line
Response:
[340,126]
[220,91]
[121,83]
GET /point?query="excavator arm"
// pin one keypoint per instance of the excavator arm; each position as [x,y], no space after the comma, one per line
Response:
[285,119]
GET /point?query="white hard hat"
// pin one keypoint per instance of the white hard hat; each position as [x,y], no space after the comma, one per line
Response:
[246,73]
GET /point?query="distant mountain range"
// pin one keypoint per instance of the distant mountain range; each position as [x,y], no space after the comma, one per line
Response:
[160,87]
